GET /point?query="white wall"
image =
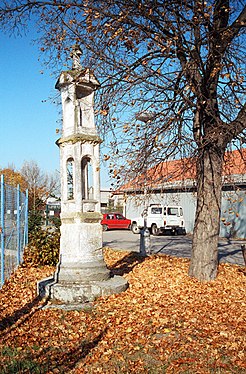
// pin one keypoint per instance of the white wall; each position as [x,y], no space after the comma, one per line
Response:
[233,209]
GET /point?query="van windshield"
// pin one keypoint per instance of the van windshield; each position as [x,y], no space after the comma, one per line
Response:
[172,211]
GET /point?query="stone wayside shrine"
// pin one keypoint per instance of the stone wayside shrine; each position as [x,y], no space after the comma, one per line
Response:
[81,274]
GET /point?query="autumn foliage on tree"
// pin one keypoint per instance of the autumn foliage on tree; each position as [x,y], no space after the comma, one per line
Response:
[13,177]
[182,62]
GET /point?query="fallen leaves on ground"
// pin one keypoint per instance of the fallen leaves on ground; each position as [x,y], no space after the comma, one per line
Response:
[165,322]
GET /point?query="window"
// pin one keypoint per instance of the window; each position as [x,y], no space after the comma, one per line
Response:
[173,211]
[70,181]
[156,210]
[119,216]
[87,179]
[110,216]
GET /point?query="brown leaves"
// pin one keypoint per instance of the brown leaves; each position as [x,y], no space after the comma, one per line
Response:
[164,322]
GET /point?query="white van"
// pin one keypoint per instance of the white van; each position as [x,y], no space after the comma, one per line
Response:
[159,219]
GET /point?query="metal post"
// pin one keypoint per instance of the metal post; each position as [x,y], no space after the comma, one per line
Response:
[144,232]
[46,215]
[145,244]
[25,241]
[243,248]
[18,225]
[2,230]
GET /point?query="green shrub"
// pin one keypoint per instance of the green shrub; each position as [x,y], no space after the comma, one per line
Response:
[43,248]
[56,222]
[35,220]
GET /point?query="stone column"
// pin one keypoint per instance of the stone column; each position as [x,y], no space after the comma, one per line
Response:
[81,274]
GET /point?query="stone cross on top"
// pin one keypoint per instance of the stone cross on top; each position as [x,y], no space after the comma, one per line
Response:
[76,54]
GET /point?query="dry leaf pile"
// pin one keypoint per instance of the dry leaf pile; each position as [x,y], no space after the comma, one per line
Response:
[165,322]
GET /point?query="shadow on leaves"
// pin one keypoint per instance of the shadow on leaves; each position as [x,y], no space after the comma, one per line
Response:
[22,313]
[126,264]
[63,360]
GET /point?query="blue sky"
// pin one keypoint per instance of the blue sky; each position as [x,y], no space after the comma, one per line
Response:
[28,119]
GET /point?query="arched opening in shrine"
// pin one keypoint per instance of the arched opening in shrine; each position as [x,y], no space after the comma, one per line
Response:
[70,178]
[87,179]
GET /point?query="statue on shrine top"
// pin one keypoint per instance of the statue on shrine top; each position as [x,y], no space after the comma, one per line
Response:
[78,74]
[76,55]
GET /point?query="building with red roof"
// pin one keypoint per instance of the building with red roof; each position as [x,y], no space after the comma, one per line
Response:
[174,182]
[182,173]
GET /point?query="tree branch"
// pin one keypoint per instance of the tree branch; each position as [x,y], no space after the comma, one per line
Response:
[234,128]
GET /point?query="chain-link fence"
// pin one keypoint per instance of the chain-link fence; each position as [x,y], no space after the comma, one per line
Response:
[13,227]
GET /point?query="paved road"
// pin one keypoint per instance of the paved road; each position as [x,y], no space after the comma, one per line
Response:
[179,246]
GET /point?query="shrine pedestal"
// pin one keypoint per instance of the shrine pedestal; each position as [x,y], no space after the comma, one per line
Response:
[76,293]
[81,275]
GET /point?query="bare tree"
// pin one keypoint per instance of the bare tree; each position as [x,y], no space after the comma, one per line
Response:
[184,61]
[40,185]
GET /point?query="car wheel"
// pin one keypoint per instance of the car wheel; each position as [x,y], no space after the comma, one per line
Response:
[135,228]
[105,228]
[154,229]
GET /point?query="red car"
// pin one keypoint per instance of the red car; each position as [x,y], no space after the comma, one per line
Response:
[115,221]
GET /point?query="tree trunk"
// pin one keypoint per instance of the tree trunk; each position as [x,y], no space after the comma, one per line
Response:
[204,258]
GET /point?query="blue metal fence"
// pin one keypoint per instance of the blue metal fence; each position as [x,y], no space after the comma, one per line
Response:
[13,227]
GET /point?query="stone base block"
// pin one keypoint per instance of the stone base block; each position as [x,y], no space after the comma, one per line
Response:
[77,293]
[82,272]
